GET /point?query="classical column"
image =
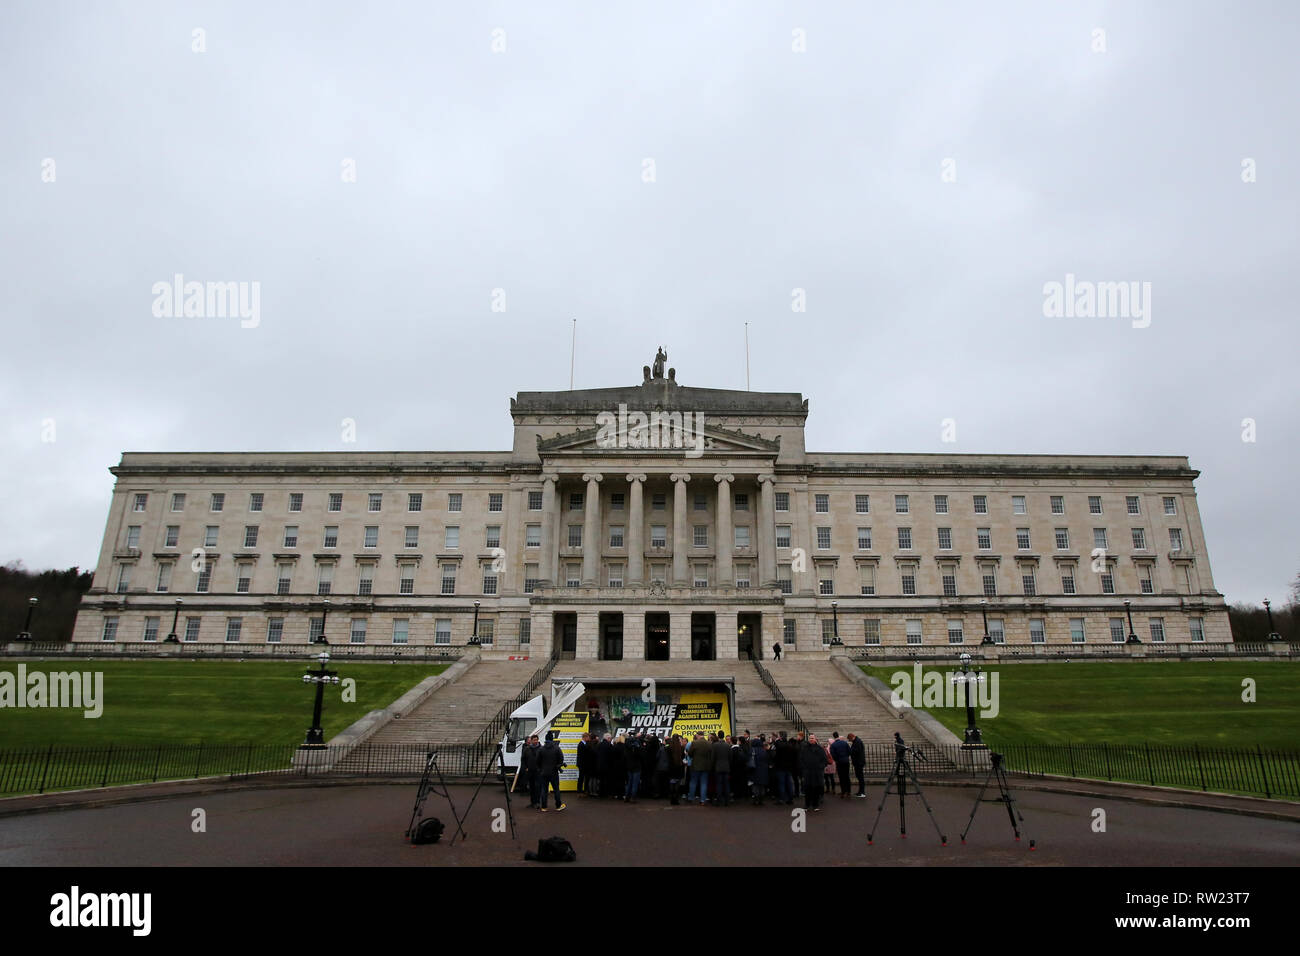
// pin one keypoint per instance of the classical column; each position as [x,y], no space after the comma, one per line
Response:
[767,531]
[591,533]
[550,516]
[635,542]
[726,547]
[680,547]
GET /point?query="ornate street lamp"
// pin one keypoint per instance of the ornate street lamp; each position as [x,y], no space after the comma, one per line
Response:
[1273,635]
[26,633]
[315,736]
[176,613]
[973,736]
[835,621]
[473,638]
[1132,635]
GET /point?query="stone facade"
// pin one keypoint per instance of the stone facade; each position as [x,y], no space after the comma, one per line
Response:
[714,533]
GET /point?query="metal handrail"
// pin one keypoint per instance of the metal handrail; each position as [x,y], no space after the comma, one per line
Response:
[788,709]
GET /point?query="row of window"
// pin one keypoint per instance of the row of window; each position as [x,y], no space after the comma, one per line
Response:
[983,538]
[374,501]
[357,630]
[988,579]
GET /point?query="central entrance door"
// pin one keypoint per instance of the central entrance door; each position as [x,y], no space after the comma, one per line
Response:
[749,636]
[611,637]
[566,634]
[703,638]
[656,637]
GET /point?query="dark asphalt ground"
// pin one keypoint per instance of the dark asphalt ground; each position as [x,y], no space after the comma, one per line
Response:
[365,825]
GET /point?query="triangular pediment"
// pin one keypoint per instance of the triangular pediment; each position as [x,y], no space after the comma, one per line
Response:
[597,440]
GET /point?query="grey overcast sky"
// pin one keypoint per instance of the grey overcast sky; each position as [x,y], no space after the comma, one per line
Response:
[920,171]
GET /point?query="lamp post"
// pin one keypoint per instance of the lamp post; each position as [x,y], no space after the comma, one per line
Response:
[26,633]
[973,736]
[473,638]
[315,736]
[835,622]
[324,616]
[1132,635]
[1273,635]
[984,613]
[176,613]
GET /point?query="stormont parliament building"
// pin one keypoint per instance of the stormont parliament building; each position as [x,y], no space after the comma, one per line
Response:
[655,521]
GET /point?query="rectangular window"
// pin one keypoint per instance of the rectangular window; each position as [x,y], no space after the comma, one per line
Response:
[1058,504]
[448,579]
[1171,506]
[1018,504]
[295,501]
[658,536]
[406,583]
[984,539]
[525,631]
[909,580]
[255,500]
[534,501]
[575,536]
[864,539]
[336,501]
[532,536]
[572,575]
[151,628]
[291,535]
[1028,582]
[997,630]
[489,580]
[401,630]
[657,573]
[234,628]
[658,502]
[530,578]
[487,632]
[701,502]
[243,578]
[981,504]
[1062,539]
[375,501]
[250,536]
[1099,538]
[871,630]
[1132,504]
[990,583]
[1117,630]
[905,539]
[823,539]
[616,536]
[828,632]
[1107,582]
[330,539]
[742,574]
[1139,539]
[941,504]
[315,629]
[787,631]
[1037,633]
[412,538]
[274,630]
[284,579]
[415,502]
[133,536]
[1175,539]
[742,502]
[110,629]
[1067,580]
[949,583]
[1197,627]
[955,634]
[701,575]
[165,577]
[782,501]
[205,579]
[451,537]
[325,579]
[783,536]
[217,502]
[615,574]
[862,504]
[914,631]
[945,539]
[742,535]
[1094,504]
[453,501]
[783,579]
[616,501]
[141,502]
[173,536]
[826,585]
[357,635]
[1157,625]
[1144,580]
[822,504]
[576,501]
[868,582]
[442,631]
[900,504]
[1076,630]
[191,629]
[1022,539]
[495,500]
[366,579]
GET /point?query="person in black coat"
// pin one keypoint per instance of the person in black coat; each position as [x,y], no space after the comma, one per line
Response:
[785,767]
[649,762]
[618,768]
[758,775]
[858,757]
[528,770]
[549,764]
[583,759]
[739,771]
[812,761]
[605,768]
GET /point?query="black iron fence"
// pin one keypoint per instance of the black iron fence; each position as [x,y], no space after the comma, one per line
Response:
[788,709]
[1257,771]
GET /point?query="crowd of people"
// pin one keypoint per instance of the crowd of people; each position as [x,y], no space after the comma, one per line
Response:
[714,769]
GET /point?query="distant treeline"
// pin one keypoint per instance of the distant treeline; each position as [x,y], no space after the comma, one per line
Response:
[1250,622]
[59,593]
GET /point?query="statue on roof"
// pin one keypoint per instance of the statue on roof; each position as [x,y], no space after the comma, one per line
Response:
[661,359]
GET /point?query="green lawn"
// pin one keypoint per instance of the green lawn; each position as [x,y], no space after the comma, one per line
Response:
[217,702]
[1131,702]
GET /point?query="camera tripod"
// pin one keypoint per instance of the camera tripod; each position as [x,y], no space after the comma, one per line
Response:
[996,770]
[901,772]
[500,763]
[427,787]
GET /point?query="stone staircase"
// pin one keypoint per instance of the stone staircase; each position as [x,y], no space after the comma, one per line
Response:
[828,701]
